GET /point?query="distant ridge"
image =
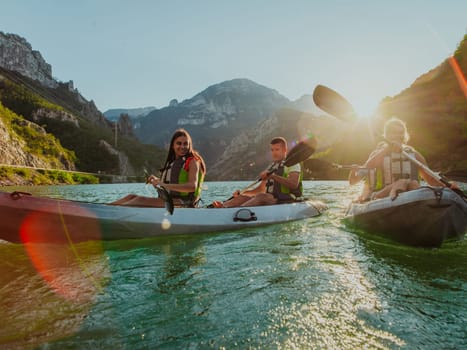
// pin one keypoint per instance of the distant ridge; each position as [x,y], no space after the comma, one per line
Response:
[114,114]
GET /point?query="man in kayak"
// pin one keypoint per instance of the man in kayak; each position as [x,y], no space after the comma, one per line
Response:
[282,184]
[387,171]
[182,174]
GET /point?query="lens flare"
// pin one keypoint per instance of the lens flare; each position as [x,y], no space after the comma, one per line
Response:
[459,75]
[49,236]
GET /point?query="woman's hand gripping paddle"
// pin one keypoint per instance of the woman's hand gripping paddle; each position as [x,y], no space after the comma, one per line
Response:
[336,105]
[163,194]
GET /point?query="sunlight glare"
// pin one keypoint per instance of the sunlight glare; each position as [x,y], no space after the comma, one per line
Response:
[364,108]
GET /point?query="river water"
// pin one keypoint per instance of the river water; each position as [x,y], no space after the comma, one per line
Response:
[311,284]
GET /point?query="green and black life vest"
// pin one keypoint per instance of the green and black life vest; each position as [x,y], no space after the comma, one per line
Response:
[395,167]
[178,173]
[281,192]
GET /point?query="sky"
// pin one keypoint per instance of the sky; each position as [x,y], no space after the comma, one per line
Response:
[128,54]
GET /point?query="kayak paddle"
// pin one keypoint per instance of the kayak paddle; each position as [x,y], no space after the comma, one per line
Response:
[335,104]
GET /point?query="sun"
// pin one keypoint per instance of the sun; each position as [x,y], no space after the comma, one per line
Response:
[364,109]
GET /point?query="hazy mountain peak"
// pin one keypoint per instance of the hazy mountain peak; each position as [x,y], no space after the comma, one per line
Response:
[114,113]
[237,87]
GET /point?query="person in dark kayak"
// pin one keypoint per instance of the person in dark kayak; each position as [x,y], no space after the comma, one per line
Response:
[182,175]
[284,184]
[387,171]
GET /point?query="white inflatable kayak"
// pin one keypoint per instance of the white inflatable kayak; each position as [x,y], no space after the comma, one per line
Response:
[26,218]
[423,217]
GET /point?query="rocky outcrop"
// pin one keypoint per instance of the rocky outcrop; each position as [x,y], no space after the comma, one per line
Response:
[125,168]
[62,116]
[13,150]
[89,111]
[16,54]
[125,126]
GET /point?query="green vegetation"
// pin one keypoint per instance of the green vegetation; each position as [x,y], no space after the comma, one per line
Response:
[13,175]
[21,100]
[461,53]
[39,143]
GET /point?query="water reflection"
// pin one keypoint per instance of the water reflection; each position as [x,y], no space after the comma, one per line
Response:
[35,310]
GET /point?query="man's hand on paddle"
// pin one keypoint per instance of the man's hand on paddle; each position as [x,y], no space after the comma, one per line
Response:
[264,175]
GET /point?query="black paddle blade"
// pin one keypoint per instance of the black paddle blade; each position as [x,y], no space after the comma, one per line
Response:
[167,198]
[301,152]
[333,103]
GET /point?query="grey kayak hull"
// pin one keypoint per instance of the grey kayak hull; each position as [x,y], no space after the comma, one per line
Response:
[424,217]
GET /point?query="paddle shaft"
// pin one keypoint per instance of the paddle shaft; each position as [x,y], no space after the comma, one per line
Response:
[270,170]
[444,180]
[430,172]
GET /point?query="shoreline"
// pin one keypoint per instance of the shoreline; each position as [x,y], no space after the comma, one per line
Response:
[30,176]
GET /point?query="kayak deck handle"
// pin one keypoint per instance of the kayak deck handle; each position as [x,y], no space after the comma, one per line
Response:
[244,215]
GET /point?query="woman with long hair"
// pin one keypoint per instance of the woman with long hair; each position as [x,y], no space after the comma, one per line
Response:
[182,175]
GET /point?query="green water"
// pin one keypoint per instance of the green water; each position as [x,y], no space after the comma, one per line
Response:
[307,284]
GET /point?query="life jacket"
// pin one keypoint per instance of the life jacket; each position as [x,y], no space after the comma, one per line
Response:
[177,173]
[281,192]
[395,167]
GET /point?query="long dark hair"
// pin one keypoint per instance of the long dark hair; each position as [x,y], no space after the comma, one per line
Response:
[191,152]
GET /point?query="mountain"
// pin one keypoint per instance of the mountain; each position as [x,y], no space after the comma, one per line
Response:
[47,123]
[248,152]
[213,117]
[232,123]
[114,114]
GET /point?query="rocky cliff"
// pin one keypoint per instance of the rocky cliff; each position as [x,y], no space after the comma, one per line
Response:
[13,150]
[16,54]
